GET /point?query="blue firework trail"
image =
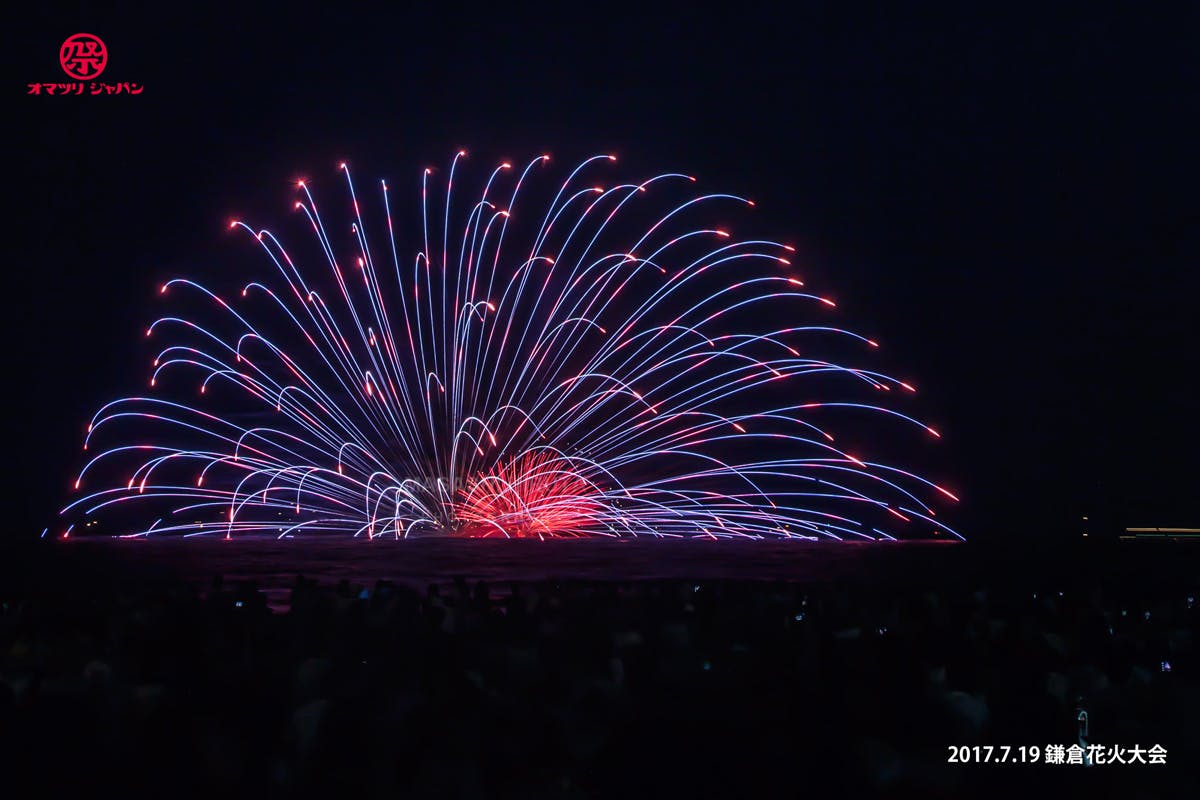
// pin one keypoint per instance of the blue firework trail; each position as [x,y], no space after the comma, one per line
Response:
[570,361]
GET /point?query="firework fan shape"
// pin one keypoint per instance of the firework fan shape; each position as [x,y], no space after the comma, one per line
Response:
[541,359]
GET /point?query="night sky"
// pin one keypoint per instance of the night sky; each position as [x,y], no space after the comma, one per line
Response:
[1006,199]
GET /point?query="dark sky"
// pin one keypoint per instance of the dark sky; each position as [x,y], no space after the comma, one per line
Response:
[1007,198]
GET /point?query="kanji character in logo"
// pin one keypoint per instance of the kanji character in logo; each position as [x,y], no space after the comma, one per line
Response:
[83,56]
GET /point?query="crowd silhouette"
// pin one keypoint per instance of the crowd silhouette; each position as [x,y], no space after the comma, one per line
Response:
[592,689]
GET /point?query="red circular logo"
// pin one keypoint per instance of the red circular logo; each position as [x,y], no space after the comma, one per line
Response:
[83,56]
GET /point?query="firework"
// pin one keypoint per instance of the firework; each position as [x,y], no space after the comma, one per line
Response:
[555,358]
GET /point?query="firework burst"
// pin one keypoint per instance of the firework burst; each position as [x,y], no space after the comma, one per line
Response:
[554,359]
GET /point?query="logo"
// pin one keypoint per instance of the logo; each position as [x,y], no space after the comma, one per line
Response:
[83,56]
